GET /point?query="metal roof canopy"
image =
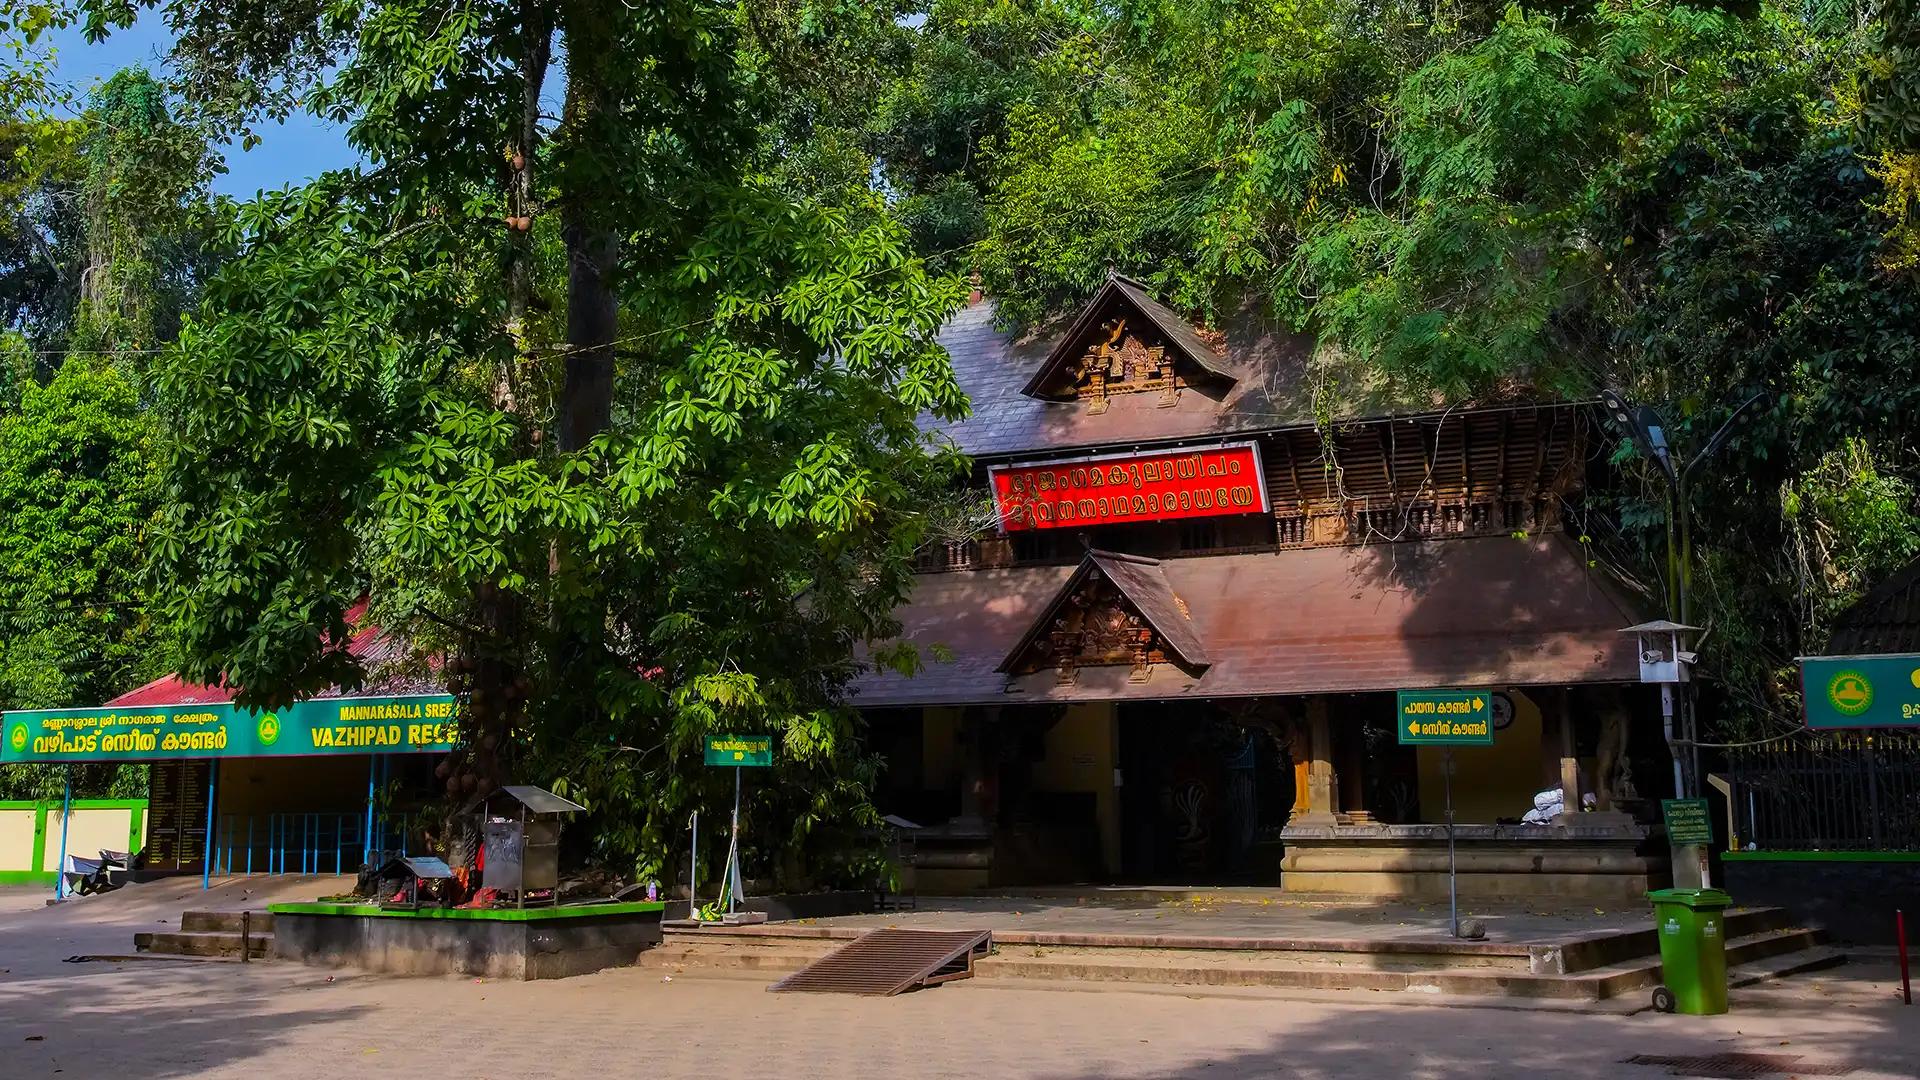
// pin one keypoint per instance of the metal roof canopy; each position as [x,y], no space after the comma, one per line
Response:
[536,800]
[1658,626]
[421,866]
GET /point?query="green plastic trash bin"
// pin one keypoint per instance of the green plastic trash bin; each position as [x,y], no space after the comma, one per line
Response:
[1693,950]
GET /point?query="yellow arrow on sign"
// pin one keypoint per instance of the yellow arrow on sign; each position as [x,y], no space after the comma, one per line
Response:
[1478,704]
[1413,728]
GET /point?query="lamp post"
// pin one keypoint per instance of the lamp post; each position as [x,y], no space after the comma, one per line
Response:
[1648,430]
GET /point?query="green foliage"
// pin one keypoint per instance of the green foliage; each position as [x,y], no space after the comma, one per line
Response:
[1853,525]
[99,249]
[143,199]
[80,480]
[387,392]
[106,231]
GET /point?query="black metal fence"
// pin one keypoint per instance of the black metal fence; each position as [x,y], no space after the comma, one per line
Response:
[1837,791]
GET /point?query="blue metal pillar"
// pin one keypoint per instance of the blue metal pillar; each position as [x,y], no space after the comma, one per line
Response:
[366,838]
[66,818]
[206,846]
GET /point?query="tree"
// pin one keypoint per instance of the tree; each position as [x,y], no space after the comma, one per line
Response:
[80,482]
[108,224]
[582,397]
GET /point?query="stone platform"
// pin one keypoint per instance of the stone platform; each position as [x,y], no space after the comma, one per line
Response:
[500,943]
[1568,863]
[1249,939]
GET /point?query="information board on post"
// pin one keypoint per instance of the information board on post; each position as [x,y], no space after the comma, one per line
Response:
[1861,691]
[414,724]
[1445,718]
[1687,821]
[740,751]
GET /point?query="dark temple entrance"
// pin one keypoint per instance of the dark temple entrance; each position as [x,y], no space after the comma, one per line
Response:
[1202,797]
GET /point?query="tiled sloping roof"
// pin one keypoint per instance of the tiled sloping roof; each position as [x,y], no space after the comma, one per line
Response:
[1275,371]
[1458,613]
[378,652]
[1141,581]
[1886,620]
[1144,581]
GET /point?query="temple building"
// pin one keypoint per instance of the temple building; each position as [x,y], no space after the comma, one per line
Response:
[1194,568]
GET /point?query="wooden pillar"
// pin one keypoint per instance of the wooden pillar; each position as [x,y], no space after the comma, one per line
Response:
[1323,789]
[1300,751]
[1561,703]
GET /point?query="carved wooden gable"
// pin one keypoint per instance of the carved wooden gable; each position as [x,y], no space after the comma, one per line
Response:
[1114,610]
[1125,342]
[1122,362]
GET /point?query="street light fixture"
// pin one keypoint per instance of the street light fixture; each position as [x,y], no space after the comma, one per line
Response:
[1648,431]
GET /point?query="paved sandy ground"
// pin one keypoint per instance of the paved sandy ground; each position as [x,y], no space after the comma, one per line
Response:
[161,1019]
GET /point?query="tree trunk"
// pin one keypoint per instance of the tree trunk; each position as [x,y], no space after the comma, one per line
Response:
[537,53]
[492,675]
[593,250]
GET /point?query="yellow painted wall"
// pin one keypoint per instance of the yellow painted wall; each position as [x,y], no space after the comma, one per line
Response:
[92,831]
[939,748]
[1489,782]
[16,839]
[1082,752]
[259,786]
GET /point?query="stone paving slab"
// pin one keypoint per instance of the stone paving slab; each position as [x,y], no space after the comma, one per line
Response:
[227,1021]
[224,1021]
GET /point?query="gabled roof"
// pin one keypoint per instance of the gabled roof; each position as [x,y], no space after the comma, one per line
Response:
[1470,613]
[1144,584]
[1279,370]
[1180,335]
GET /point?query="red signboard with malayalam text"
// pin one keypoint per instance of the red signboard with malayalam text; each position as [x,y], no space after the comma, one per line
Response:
[1188,483]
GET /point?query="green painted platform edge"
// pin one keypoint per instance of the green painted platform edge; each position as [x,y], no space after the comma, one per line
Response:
[1821,856]
[78,804]
[575,911]
[27,877]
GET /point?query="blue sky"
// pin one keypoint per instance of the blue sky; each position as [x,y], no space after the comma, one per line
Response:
[289,153]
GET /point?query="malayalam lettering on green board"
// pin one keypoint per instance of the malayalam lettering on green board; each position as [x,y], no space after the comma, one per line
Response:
[1687,821]
[1445,718]
[746,751]
[1861,691]
[387,725]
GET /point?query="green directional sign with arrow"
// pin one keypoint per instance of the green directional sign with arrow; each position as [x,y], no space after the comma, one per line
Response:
[1445,718]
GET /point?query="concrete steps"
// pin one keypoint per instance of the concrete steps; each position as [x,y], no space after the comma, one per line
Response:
[1761,944]
[211,934]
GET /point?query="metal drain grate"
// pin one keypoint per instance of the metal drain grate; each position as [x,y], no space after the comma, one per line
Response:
[1736,1066]
[885,962]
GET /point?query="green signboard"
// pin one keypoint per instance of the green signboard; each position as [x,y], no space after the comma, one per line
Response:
[1445,718]
[366,725]
[1687,821]
[753,751]
[1861,691]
